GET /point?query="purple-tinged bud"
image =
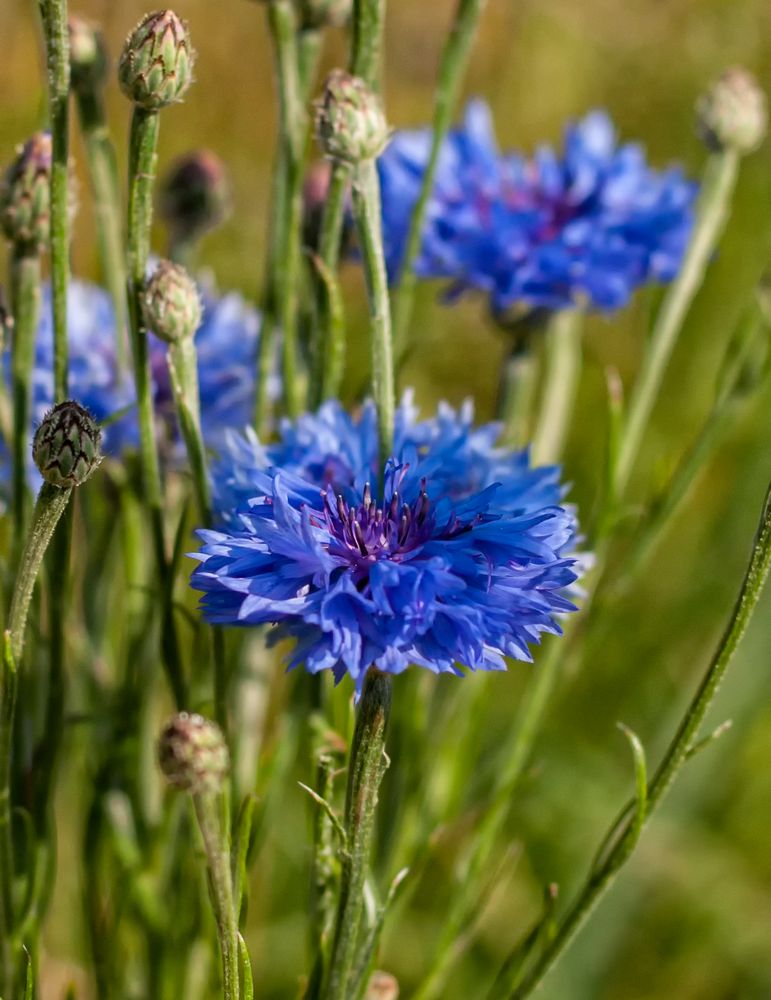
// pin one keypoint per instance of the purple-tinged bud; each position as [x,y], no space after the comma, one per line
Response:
[382,986]
[350,124]
[193,755]
[733,114]
[66,446]
[316,14]
[171,304]
[24,194]
[89,62]
[156,65]
[195,195]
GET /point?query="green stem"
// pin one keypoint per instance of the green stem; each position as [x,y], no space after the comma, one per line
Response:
[719,183]
[25,302]
[282,21]
[366,768]
[515,394]
[143,142]
[367,212]
[103,171]
[367,44]
[563,371]
[454,61]
[54,16]
[216,845]
[676,755]
[183,375]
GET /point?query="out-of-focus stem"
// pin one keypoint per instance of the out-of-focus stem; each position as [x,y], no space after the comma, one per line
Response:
[25,302]
[54,16]
[455,57]
[719,182]
[561,377]
[103,171]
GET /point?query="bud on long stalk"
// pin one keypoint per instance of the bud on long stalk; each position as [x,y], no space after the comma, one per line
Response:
[195,198]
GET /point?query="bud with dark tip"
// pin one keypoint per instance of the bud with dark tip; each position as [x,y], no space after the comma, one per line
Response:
[733,114]
[193,755]
[88,56]
[156,65]
[66,446]
[350,124]
[24,194]
[171,304]
[316,14]
[195,195]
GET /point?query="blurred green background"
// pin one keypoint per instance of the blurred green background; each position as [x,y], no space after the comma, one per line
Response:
[691,915]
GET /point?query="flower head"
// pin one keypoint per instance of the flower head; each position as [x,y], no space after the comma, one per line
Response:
[66,446]
[463,559]
[586,226]
[24,194]
[350,123]
[156,65]
[733,113]
[192,754]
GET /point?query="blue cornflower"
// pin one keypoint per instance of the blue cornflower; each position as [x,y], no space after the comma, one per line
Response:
[584,227]
[465,559]
[227,354]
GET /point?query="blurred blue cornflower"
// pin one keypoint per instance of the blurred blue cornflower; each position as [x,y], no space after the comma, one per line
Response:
[227,352]
[585,227]
[466,557]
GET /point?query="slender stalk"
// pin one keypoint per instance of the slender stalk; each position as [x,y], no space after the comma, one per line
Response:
[366,768]
[563,371]
[293,129]
[367,43]
[216,844]
[25,302]
[49,507]
[719,183]
[452,68]
[54,16]
[516,392]
[183,375]
[143,143]
[679,751]
[103,171]
[366,208]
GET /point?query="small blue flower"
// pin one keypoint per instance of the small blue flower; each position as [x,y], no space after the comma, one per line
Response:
[227,357]
[466,559]
[586,227]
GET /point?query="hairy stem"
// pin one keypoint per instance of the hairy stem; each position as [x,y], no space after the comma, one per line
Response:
[54,17]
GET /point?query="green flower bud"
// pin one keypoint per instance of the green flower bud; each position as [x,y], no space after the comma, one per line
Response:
[195,195]
[89,62]
[382,986]
[171,305]
[156,65]
[193,755]
[733,114]
[316,14]
[66,446]
[24,194]
[350,124]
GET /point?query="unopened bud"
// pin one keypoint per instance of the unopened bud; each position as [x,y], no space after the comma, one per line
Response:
[350,124]
[324,13]
[25,194]
[195,195]
[156,65]
[88,56]
[382,986]
[733,114]
[66,446]
[171,305]
[192,754]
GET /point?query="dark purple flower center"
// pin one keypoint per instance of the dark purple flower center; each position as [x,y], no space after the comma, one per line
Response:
[368,533]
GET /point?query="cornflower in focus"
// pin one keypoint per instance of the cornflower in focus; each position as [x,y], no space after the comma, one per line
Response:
[463,559]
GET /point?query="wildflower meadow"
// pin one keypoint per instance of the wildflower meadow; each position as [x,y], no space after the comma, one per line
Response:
[384,500]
